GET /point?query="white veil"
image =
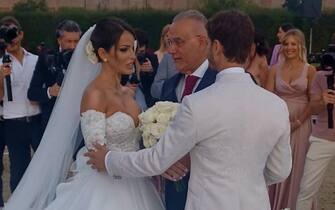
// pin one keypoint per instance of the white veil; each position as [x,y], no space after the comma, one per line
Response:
[53,158]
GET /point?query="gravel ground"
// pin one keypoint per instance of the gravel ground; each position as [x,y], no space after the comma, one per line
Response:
[326,195]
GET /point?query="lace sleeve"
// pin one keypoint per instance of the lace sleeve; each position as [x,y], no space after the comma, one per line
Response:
[93,126]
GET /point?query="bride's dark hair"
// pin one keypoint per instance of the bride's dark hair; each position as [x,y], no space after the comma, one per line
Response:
[107,33]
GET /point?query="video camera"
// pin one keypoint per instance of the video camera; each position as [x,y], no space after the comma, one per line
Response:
[317,57]
[328,64]
[58,63]
[7,35]
[142,58]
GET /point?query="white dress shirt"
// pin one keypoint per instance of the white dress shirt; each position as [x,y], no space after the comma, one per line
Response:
[20,79]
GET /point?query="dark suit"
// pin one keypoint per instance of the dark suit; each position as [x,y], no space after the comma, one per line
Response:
[42,78]
[147,79]
[176,200]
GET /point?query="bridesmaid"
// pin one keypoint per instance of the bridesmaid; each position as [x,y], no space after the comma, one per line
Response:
[291,80]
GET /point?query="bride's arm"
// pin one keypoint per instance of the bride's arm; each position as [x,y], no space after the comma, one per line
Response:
[93,119]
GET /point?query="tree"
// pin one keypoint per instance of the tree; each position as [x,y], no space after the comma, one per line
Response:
[214,5]
[30,6]
[293,5]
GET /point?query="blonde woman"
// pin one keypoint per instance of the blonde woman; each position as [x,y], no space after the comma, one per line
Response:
[282,29]
[162,47]
[291,80]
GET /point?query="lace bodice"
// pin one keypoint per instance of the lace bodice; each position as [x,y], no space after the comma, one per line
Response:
[117,131]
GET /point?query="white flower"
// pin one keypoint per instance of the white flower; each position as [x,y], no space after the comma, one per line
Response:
[165,106]
[148,116]
[157,129]
[90,53]
[163,118]
[155,120]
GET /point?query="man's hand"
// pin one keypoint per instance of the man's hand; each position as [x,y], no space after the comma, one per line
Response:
[329,96]
[54,90]
[146,66]
[176,172]
[5,71]
[97,157]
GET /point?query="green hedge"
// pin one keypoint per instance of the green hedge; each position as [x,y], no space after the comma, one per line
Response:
[40,26]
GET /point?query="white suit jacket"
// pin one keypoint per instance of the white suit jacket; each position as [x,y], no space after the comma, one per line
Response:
[238,135]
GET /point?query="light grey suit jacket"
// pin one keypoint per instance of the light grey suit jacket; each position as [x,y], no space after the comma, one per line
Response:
[239,138]
[166,70]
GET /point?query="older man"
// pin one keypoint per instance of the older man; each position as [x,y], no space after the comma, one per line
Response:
[237,147]
[188,45]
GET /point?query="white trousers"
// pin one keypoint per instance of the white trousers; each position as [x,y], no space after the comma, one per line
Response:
[319,155]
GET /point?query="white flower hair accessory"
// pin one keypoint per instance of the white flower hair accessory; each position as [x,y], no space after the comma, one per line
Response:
[92,57]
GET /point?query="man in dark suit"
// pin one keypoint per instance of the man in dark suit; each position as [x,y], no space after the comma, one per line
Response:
[50,68]
[188,45]
[147,65]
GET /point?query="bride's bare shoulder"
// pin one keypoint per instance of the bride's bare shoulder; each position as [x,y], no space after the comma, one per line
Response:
[93,98]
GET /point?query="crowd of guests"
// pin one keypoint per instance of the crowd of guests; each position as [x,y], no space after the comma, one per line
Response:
[178,68]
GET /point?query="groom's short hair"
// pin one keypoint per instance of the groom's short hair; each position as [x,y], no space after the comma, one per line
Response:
[235,31]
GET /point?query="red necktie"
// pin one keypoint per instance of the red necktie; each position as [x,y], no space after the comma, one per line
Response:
[190,82]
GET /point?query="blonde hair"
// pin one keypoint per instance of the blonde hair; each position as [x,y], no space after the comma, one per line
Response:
[165,30]
[300,37]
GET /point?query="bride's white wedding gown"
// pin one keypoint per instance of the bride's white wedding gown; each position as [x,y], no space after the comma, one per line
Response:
[91,190]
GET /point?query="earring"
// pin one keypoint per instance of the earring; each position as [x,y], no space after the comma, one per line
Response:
[105,60]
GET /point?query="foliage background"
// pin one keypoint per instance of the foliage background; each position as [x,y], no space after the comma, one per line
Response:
[39,22]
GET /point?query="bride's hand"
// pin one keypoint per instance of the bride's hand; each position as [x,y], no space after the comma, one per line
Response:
[97,157]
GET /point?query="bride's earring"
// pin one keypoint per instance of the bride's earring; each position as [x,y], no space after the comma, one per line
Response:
[105,60]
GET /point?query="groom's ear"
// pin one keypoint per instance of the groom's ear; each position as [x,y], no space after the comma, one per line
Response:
[217,48]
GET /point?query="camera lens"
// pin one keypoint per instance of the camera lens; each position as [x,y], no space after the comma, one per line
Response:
[8,33]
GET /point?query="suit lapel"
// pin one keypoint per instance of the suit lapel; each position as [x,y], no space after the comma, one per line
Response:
[170,90]
[207,79]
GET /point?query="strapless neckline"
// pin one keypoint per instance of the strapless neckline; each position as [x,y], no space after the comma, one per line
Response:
[122,113]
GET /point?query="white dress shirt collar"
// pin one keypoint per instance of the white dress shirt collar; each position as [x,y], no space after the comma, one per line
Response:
[201,70]
[232,70]
[25,53]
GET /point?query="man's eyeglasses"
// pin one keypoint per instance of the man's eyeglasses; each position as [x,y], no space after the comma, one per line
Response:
[177,41]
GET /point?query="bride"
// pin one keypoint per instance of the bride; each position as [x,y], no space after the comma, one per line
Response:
[108,115]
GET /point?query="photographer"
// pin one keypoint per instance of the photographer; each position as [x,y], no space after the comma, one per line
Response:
[50,68]
[322,140]
[22,125]
[147,65]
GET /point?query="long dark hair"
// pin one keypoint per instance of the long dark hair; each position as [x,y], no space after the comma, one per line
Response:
[107,33]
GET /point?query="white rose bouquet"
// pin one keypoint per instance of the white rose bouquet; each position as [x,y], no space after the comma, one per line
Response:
[155,120]
[153,124]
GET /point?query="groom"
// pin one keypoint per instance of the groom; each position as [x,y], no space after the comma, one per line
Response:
[237,147]
[190,59]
